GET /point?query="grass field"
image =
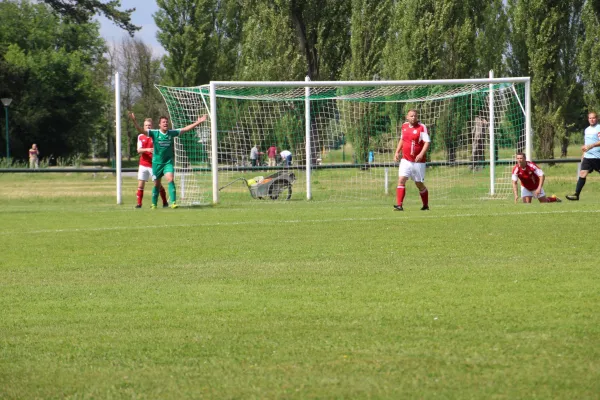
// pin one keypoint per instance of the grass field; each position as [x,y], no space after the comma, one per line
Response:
[250,299]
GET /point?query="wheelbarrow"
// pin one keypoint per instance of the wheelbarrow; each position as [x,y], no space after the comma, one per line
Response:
[275,187]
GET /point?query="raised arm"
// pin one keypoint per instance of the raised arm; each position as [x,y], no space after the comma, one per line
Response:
[137,127]
[192,126]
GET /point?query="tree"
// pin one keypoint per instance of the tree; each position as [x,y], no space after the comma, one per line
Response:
[432,39]
[148,72]
[491,39]
[369,25]
[545,48]
[81,11]
[268,38]
[185,28]
[588,61]
[49,65]
[291,39]
[127,66]
[321,28]
[226,39]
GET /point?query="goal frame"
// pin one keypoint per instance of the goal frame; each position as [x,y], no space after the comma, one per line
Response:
[308,84]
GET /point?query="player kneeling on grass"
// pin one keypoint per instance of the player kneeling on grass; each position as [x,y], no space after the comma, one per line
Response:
[414,143]
[532,181]
[145,149]
[163,156]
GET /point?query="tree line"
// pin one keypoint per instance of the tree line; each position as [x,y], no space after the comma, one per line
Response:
[59,70]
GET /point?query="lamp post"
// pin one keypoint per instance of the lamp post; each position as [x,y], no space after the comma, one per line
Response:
[6,102]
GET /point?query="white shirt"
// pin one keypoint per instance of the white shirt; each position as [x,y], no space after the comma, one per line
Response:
[591,136]
[285,154]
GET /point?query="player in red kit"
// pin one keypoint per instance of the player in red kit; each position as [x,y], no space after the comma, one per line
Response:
[414,143]
[532,181]
[145,148]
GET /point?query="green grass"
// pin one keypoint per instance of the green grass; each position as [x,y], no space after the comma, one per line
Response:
[251,299]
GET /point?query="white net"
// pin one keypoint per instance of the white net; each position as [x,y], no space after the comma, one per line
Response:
[353,137]
[192,150]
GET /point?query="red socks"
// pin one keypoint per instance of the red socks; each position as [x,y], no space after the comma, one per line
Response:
[400,192]
[425,197]
[140,195]
[163,195]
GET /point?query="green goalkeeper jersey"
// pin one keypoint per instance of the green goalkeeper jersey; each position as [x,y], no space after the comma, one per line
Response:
[163,145]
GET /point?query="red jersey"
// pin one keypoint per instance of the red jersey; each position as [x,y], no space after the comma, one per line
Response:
[413,140]
[528,175]
[145,142]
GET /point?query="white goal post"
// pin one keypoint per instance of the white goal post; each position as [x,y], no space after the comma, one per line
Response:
[343,135]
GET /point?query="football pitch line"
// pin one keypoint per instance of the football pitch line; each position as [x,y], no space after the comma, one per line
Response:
[394,216]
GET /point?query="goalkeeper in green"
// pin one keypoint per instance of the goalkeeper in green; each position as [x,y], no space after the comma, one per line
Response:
[163,157]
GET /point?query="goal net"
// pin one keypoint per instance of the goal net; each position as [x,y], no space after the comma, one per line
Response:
[193,175]
[342,137]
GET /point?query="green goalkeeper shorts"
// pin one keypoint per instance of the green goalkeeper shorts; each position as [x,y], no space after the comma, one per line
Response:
[159,170]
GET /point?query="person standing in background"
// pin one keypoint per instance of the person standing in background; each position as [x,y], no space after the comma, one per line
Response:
[34,157]
[590,159]
[272,154]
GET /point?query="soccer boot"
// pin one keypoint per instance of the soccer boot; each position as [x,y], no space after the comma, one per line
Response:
[573,197]
[174,205]
[153,206]
[398,208]
[138,206]
[556,198]
[165,205]
[425,208]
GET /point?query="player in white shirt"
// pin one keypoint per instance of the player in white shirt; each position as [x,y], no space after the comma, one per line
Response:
[590,161]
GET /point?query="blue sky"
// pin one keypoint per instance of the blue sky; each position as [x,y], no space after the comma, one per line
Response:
[142,16]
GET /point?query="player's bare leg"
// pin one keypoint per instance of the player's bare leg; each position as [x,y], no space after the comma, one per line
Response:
[527,199]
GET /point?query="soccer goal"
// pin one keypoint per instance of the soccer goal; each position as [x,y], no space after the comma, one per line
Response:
[343,135]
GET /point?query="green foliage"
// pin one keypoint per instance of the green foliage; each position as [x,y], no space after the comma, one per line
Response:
[290,39]
[491,39]
[269,50]
[81,11]
[550,58]
[321,28]
[49,66]
[589,56]
[432,39]
[185,32]
[370,26]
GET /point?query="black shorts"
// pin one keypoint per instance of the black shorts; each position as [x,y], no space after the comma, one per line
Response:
[590,164]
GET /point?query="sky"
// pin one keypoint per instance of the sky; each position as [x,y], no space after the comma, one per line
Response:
[142,16]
